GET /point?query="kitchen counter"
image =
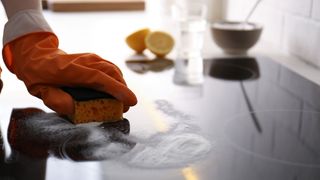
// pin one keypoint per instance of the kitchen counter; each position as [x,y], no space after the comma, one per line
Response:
[258,122]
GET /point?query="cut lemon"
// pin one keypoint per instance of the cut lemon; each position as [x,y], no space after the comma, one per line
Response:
[159,43]
[136,40]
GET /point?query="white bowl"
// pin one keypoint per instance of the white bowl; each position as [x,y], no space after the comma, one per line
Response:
[236,37]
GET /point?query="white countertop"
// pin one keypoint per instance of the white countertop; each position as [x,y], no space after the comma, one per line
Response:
[104,33]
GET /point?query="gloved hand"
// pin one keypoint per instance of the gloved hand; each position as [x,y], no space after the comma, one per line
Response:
[37,61]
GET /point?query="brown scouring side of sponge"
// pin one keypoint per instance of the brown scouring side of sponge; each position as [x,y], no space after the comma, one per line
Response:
[97,110]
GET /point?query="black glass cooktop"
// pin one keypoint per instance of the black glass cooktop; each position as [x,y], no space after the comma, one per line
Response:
[250,119]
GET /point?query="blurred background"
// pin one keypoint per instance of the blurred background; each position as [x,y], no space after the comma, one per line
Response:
[291,26]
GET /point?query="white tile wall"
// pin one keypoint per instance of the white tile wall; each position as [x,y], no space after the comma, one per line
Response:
[316,9]
[293,26]
[301,7]
[302,38]
[272,20]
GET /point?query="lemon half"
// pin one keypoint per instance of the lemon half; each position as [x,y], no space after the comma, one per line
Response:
[160,43]
[136,40]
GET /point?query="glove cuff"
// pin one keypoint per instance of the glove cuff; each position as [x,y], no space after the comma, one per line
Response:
[24,22]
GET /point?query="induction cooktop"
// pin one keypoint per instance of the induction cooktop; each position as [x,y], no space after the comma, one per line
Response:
[251,118]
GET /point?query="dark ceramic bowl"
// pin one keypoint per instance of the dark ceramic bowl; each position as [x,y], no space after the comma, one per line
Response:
[235,37]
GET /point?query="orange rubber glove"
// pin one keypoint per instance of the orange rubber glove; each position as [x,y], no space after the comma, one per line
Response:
[37,61]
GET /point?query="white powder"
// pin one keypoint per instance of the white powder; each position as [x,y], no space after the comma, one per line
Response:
[168,151]
[66,139]
[181,145]
[178,147]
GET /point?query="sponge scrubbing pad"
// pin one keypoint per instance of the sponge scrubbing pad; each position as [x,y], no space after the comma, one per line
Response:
[94,106]
[98,110]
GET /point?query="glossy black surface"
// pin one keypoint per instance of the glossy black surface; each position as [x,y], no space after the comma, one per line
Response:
[262,119]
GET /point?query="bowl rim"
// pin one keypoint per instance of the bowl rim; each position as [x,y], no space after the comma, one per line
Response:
[255,25]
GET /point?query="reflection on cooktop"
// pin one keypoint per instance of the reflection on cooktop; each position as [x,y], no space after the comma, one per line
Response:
[141,64]
[242,68]
[38,134]
[278,142]
[237,69]
[1,85]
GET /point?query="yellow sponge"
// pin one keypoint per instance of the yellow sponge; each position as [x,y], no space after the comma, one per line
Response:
[98,110]
[93,106]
